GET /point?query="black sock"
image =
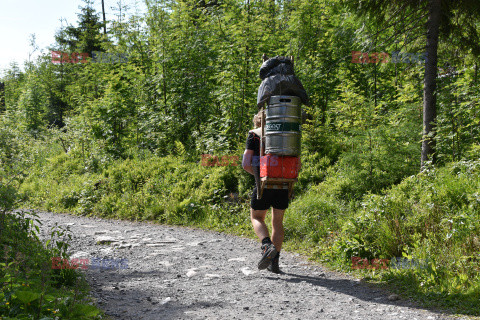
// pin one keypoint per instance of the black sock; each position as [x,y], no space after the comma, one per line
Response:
[266,240]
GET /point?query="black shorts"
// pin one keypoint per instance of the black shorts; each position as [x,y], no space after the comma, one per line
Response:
[276,198]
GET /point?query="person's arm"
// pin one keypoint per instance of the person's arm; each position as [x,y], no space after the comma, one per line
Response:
[247,161]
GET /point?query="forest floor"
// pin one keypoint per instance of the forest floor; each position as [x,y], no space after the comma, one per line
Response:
[184,273]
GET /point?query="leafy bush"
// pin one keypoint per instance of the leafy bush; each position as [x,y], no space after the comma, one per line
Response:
[165,189]
[431,216]
[31,289]
[314,215]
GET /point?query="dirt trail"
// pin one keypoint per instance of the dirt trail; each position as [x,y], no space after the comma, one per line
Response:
[181,273]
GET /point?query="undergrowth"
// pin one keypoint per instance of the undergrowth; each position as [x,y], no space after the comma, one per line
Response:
[31,289]
[431,216]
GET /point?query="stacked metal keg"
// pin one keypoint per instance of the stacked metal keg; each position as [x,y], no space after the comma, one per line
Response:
[280,96]
[283,126]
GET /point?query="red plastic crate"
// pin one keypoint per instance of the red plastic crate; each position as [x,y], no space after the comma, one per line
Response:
[274,166]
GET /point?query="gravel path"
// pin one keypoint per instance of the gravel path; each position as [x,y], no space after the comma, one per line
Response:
[182,273]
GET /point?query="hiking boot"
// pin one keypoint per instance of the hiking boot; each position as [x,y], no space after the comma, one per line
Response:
[269,252]
[273,266]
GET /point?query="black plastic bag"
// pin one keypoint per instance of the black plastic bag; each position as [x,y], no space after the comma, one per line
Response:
[281,85]
[279,79]
[277,65]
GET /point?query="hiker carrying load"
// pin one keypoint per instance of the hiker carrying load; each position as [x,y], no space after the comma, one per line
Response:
[272,153]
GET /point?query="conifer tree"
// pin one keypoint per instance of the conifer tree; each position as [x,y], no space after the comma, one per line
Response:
[87,37]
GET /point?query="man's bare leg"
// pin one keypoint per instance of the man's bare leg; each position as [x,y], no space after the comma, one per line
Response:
[258,221]
[278,232]
[261,230]
[277,238]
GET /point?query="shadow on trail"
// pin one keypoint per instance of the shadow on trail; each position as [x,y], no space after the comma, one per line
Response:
[368,292]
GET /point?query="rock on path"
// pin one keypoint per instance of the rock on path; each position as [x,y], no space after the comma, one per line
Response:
[182,273]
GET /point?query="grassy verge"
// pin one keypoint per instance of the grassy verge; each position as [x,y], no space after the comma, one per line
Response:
[31,289]
[430,217]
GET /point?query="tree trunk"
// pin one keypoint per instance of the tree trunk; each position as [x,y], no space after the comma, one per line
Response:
[104,22]
[429,94]
[2,97]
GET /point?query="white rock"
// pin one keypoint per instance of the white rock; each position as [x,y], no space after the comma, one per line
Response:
[242,259]
[158,253]
[166,300]
[106,251]
[80,254]
[154,254]
[155,244]
[191,312]
[247,271]
[194,244]
[105,239]
[191,272]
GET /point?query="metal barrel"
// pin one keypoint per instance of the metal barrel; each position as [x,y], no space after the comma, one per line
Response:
[282,126]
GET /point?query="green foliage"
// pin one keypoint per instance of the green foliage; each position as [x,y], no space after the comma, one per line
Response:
[31,289]
[431,216]
[458,119]
[125,139]
[32,106]
[86,37]
[164,189]
[312,217]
